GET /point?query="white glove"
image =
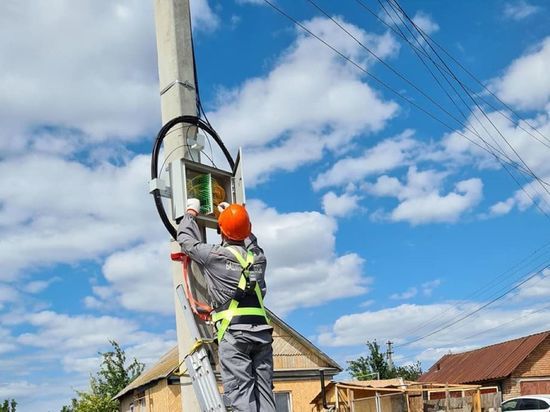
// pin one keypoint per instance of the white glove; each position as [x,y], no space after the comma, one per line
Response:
[222,206]
[194,205]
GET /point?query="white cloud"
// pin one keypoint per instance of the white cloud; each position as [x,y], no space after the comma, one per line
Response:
[98,75]
[300,248]
[8,294]
[425,22]
[519,141]
[409,293]
[512,86]
[523,312]
[298,112]
[420,198]
[428,287]
[425,288]
[37,286]
[7,342]
[433,207]
[519,10]
[141,277]
[203,17]
[339,206]
[386,155]
[64,211]
[536,287]
[489,326]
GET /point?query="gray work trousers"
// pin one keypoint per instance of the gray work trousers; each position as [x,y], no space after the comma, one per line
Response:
[246,360]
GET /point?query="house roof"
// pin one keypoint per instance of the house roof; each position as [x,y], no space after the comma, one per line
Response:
[485,364]
[284,348]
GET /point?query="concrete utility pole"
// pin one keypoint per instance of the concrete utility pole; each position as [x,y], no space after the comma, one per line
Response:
[178,97]
[389,354]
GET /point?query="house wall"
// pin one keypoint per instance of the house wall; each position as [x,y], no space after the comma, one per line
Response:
[536,366]
[302,392]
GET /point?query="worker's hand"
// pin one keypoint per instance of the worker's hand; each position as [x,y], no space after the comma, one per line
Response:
[222,206]
[193,206]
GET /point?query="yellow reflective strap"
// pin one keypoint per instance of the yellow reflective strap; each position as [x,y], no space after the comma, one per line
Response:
[233,310]
[225,320]
[230,313]
[243,262]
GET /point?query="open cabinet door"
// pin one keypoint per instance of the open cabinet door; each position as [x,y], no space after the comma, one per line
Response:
[178,185]
[238,180]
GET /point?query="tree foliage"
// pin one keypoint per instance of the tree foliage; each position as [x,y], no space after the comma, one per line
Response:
[113,376]
[375,365]
[8,405]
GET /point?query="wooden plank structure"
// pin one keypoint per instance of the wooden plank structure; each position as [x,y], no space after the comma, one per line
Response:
[396,395]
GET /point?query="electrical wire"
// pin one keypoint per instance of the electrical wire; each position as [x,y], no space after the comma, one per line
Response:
[409,19]
[399,12]
[408,81]
[385,85]
[524,265]
[474,131]
[470,314]
[499,111]
[475,335]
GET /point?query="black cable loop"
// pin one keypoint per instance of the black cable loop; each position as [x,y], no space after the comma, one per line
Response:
[192,120]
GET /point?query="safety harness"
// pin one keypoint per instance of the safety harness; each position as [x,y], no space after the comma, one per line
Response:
[246,306]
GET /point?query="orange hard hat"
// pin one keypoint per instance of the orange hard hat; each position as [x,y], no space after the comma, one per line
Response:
[234,222]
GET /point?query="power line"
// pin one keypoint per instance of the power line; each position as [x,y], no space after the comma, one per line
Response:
[475,335]
[474,131]
[476,310]
[431,99]
[385,85]
[523,265]
[499,111]
[523,187]
[468,94]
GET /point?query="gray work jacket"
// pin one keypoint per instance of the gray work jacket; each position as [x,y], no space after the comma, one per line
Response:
[220,267]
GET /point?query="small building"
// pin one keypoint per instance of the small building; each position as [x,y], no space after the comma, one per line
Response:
[515,367]
[297,364]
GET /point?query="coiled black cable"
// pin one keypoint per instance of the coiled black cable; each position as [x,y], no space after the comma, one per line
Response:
[192,120]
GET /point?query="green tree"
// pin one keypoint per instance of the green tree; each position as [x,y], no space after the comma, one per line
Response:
[375,365]
[8,406]
[409,372]
[112,377]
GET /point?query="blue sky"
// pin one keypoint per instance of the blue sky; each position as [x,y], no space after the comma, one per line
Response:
[378,222]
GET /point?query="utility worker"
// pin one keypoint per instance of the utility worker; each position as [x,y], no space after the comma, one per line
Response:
[234,273]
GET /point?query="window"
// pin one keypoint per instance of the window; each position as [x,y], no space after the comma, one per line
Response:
[282,402]
[510,405]
[528,404]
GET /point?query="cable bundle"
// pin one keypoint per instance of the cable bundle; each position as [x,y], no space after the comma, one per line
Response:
[207,189]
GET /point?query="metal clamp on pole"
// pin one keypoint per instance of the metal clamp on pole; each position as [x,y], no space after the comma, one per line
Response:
[185,84]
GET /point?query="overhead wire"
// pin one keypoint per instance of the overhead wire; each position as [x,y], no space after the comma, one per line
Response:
[409,19]
[524,265]
[545,141]
[470,314]
[474,131]
[385,85]
[408,81]
[531,313]
[398,11]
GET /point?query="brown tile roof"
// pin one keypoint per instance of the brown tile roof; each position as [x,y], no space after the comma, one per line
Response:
[484,364]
